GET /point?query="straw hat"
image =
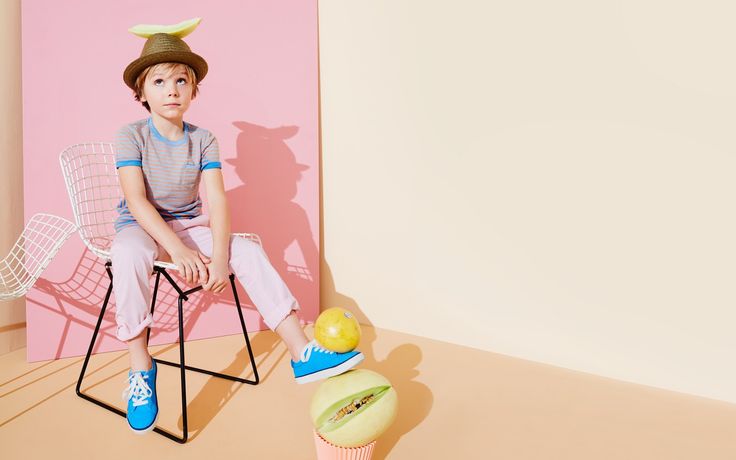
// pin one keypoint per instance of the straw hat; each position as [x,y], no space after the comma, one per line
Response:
[162,47]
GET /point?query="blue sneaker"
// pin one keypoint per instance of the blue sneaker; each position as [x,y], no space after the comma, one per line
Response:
[142,401]
[318,363]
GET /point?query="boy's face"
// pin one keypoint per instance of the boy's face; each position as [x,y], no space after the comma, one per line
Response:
[168,93]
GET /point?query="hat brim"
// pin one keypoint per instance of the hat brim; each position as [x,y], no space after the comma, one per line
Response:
[193,60]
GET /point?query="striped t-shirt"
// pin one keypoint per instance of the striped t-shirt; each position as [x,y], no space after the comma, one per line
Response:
[171,169]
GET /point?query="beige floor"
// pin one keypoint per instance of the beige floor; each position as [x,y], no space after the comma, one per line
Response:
[455,403]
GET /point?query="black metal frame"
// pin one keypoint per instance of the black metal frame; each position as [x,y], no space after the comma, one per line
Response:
[183,296]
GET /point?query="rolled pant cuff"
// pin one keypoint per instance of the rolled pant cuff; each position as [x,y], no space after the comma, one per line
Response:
[281,312]
[124,333]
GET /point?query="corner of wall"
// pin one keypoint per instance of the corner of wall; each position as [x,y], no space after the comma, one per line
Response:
[12,314]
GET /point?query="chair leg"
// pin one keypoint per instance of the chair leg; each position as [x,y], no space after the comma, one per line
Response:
[245,333]
[183,295]
[89,352]
[182,367]
[153,304]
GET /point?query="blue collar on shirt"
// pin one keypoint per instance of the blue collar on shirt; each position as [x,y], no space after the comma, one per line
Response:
[163,139]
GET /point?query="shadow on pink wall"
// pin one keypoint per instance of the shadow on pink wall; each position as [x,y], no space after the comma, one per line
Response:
[264,205]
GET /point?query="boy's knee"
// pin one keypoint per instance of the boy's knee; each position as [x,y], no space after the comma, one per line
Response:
[245,245]
[244,249]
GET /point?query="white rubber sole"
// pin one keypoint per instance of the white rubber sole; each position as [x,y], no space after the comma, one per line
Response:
[333,371]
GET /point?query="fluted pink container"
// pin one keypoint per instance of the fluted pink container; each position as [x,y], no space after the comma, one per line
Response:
[329,451]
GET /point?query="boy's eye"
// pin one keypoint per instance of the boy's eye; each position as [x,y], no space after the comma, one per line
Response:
[157,81]
[183,81]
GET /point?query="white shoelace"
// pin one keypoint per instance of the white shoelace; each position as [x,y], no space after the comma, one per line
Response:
[307,352]
[138,389]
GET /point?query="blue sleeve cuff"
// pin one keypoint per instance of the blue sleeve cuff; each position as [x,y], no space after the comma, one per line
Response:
[211,165]
[120,164]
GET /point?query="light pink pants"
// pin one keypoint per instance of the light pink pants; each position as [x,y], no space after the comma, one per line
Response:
[134,251]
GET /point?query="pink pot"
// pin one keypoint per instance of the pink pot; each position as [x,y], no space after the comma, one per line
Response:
[329,451]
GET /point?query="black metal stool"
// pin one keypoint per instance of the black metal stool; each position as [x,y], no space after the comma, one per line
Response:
[183,296]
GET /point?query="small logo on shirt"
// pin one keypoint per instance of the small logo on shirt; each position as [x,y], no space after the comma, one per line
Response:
[190,164]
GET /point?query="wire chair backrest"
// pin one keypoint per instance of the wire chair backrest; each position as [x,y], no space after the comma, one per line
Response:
[41,239]
[94,191]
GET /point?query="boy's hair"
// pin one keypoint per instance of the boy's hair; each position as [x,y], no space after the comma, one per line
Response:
[166,67]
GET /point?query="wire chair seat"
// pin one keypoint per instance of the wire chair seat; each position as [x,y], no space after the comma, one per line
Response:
[102,249]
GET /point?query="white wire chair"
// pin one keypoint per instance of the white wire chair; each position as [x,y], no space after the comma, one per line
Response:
[92,184]
[37,245]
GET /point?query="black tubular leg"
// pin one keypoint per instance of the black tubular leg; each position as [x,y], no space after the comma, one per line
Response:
[183,372]
[89,351]
[185,424]
[94,338]
[245,334]
[183,296]
[153,304]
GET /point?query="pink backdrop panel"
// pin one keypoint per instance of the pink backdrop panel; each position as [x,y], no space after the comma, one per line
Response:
[260,100]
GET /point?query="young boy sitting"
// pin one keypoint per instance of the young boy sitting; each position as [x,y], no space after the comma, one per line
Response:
[160,161]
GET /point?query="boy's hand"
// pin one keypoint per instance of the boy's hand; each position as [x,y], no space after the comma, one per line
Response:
[219,276]
[191,264]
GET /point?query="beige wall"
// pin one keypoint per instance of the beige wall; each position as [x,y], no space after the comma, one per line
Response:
[548,180]
[12,314]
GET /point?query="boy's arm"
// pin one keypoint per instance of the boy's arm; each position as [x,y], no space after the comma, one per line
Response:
[134,190]
[219,214]
[220,226]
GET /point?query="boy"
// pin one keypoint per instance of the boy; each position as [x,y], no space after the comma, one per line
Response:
[160,161]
